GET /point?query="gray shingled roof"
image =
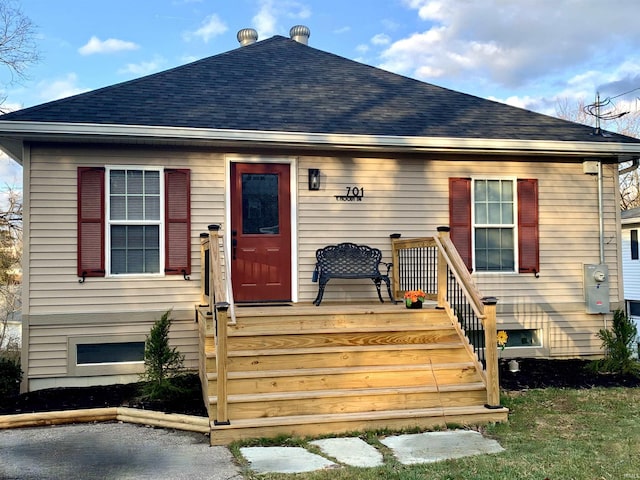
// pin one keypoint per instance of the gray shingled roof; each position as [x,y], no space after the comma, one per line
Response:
[281,85]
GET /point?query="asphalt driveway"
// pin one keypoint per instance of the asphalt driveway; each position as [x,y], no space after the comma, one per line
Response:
[111,451]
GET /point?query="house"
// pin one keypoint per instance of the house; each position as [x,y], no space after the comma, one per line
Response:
[288,149]
[631,263]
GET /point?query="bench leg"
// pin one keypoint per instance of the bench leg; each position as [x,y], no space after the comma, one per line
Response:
[378,281]
[388,282]
[318,299]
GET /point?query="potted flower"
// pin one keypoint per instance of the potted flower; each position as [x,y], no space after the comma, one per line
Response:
[414,298]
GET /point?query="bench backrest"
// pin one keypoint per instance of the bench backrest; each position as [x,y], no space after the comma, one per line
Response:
[347,259]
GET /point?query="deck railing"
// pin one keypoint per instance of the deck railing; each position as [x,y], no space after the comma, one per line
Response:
[434,265]
[216,295]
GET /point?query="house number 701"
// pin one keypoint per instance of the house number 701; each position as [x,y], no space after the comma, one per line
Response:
[353,194]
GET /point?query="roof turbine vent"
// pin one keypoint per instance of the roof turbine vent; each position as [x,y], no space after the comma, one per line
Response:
[300,33]
[247,36]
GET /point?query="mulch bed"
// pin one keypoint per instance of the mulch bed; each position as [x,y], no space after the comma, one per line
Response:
[534,373]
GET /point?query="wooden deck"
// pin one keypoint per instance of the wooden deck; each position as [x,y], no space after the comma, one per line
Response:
[306,370]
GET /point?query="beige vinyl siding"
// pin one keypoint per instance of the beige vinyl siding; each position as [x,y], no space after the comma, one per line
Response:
[407,196]
[58,306]
[53,285]
[49,342]
[411,197]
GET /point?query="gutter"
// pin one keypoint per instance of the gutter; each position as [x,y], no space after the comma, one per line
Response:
[12,132]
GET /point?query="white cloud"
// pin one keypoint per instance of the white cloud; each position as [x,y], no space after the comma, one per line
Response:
[528,44]
[111,45]
[59,88]
[143,68]
[341,30]
[211,27]
[381,39]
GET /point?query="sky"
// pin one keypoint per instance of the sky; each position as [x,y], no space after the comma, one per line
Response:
[531,54]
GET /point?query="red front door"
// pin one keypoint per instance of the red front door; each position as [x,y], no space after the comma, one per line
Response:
[260,232]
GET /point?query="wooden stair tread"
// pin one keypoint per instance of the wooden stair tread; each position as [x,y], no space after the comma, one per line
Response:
[399,327]
[359,416]
[302,395]
[339,370]
[340,349]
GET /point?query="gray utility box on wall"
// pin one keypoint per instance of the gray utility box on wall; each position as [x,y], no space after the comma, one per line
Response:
[596,288]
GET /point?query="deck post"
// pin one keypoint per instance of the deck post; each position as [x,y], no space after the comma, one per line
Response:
[216,284]
[205,279]
[442,270]
[222,318]
[491,352]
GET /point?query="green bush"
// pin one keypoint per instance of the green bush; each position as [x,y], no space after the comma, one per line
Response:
[163,364]
[619,344]
[10,378]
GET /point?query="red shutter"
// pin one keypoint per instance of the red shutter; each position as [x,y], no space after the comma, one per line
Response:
[528,235]
[177,222]
[460,217]
[91,222]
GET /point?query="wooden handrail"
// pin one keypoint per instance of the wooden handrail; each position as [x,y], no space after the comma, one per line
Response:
[459,270]
[450,262]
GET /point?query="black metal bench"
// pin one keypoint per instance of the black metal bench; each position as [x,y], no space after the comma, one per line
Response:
[348,260]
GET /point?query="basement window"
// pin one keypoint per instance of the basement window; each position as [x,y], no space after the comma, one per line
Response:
[92,353]
[516,338]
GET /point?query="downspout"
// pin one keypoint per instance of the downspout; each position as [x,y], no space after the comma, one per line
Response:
[601,211]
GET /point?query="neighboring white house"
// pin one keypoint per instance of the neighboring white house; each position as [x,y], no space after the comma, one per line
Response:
[631,262]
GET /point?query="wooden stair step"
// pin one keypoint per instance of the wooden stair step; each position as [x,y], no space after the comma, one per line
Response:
[341,349]
[313,425]
[287,329]
[338,370]
[412,413]
[303,395]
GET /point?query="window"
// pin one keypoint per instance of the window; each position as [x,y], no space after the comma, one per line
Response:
[634,244]
[134,221]
[494,223]
[136,218]
[94,353]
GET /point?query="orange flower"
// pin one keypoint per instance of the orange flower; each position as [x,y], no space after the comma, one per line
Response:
[414,295]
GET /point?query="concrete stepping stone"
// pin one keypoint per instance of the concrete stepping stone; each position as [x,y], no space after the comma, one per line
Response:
[284,460]
[432,447]
[354,452]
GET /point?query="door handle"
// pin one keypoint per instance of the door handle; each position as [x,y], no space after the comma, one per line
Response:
[234,244]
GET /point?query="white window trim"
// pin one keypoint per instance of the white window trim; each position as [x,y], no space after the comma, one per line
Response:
[108,223]
[516,255]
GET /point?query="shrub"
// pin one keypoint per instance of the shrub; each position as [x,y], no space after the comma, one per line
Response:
[10,378]
[618,344]
[162,363]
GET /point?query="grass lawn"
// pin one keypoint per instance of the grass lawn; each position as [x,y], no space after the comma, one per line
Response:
[554,434]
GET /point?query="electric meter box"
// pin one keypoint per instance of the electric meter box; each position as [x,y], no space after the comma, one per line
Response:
[596,288]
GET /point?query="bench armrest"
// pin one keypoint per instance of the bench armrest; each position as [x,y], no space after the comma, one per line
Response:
[389,265]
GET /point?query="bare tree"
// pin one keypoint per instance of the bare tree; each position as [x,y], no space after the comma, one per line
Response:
[18,48]
[612,119]
[10,256]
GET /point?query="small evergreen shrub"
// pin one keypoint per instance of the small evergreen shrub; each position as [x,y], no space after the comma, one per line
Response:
[10,378]
[163,364]
[618,344]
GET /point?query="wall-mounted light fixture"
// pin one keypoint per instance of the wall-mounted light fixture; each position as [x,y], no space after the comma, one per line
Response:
[314,179]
